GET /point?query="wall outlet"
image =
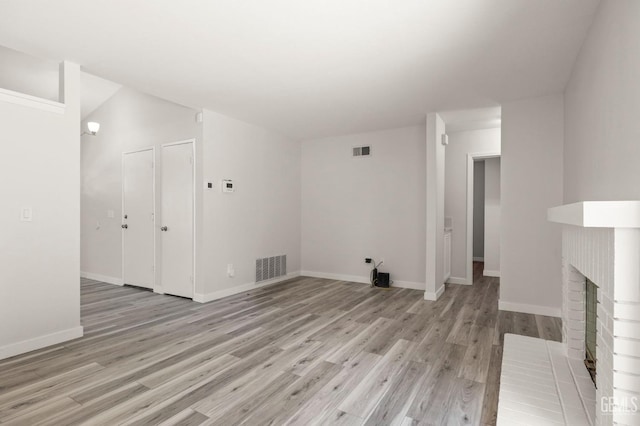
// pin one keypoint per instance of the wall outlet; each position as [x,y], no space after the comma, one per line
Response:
[231,272]
[367,260]
[111,214]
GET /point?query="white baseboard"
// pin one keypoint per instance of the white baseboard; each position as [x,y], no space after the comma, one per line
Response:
[529,309]
[478,259]
[102,278]
[409,284]
[361,279]
[428,295]
[40,342]
[458,280]
[337,277]
[491,273]
[209,297]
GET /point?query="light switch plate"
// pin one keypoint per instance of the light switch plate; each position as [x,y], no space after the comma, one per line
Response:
[26,214]
[111,214]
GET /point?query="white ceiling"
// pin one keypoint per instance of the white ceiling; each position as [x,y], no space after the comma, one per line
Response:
[311,68]
[38,77]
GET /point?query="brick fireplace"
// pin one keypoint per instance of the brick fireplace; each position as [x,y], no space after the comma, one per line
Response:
[601,242]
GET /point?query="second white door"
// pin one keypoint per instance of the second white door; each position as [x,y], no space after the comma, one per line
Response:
[177,219]
[137,220]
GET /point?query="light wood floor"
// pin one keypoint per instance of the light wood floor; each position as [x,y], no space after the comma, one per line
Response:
[308,351]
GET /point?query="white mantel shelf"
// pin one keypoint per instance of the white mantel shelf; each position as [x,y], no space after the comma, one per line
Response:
[597,214]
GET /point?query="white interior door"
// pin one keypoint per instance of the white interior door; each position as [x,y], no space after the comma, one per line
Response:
[177,219]
[138,219]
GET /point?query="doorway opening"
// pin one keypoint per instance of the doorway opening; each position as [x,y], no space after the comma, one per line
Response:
[483,214]
[478,210]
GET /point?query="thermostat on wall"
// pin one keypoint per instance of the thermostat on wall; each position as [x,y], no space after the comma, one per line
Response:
[227,185]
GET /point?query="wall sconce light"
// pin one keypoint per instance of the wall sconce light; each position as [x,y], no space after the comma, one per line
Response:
[93,128]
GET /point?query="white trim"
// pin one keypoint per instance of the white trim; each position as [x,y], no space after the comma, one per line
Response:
[192,141]
[478,259]
[219,294]
[154,283]
[361,279]
[195,213]
[529,309]
[408,284]
[434,296]
[471,157]
[39,342]
[491,273]
[102,278]
[29,101]
[458,280]
[597,214]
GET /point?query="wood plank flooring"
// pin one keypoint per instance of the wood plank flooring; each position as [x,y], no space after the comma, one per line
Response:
[306,351]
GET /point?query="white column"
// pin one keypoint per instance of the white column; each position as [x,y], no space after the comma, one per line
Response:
[435,207]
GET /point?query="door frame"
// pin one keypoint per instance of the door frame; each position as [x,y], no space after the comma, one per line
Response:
[191,141]
[471,157]
[153,167]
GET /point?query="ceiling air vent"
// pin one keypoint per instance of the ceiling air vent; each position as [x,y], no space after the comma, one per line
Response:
[361,151]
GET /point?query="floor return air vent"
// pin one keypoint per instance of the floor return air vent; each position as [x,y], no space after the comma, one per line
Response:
[271,267]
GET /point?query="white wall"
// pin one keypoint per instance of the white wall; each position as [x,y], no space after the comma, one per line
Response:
[374,206]
[130,120]
[461,144]
[492,217]
[602,109]
[40,260]
[262,217]
[478,209]
[531,182]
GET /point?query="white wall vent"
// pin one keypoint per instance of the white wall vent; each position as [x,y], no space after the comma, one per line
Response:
[271,267]
[361,151]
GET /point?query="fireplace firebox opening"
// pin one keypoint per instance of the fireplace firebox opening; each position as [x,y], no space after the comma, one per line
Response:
[591,315]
